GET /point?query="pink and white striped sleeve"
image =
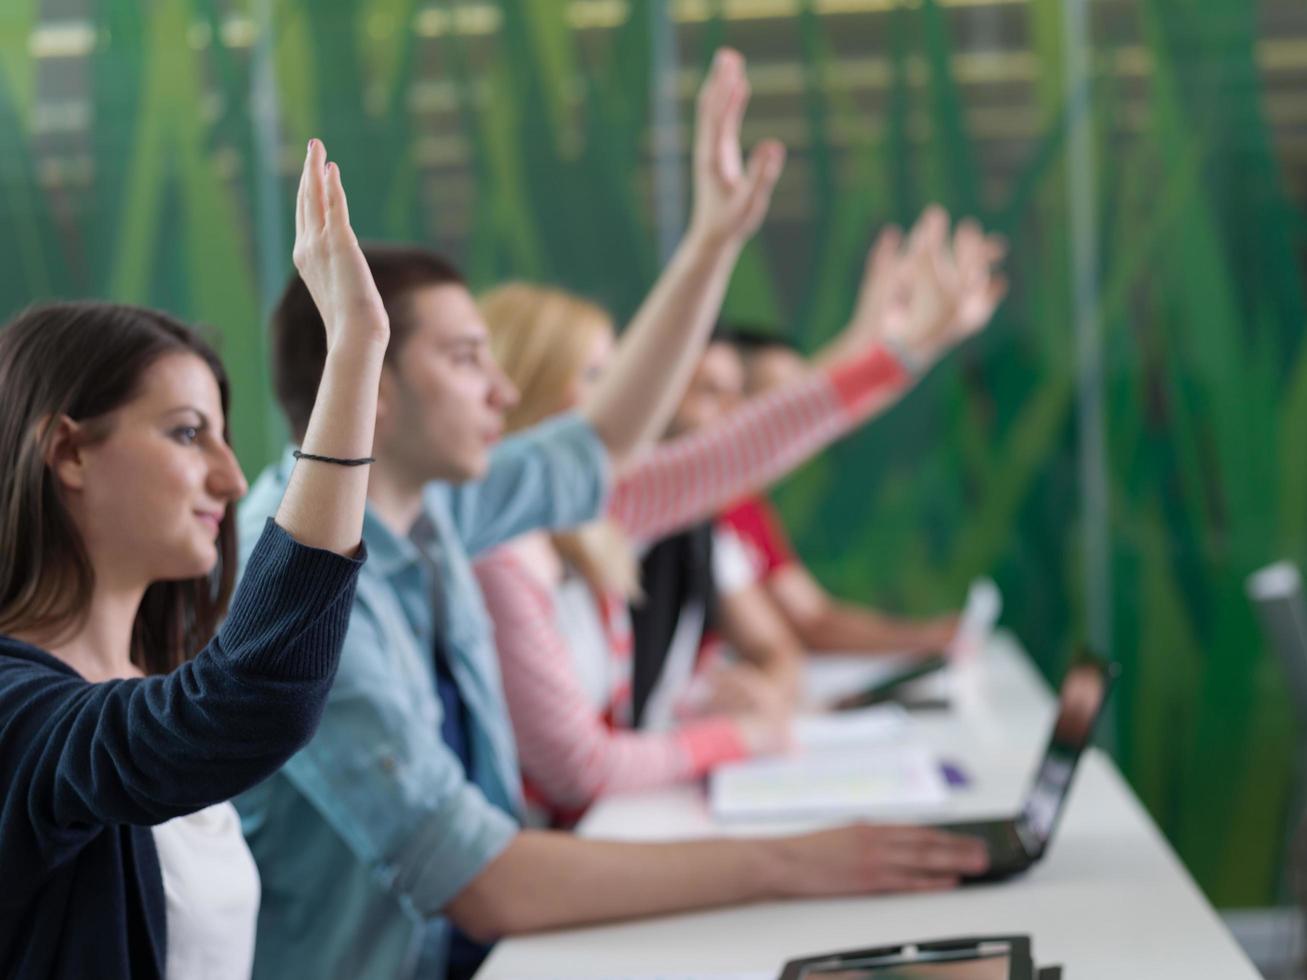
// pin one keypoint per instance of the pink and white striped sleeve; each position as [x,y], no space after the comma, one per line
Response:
[567,751]
[696,475]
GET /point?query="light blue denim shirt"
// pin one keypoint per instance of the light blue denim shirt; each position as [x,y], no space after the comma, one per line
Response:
[372,828]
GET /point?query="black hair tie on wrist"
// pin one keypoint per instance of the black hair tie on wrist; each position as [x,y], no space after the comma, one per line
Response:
[333,459]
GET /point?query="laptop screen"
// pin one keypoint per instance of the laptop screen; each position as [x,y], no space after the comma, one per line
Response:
[1084,690]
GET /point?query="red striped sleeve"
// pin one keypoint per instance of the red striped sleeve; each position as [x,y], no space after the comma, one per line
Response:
[568,753]
[711,742]
[692,477]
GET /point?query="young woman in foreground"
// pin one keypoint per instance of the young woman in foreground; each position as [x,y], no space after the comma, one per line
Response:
[119,743]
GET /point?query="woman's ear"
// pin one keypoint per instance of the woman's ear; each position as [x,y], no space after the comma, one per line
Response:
[64,453]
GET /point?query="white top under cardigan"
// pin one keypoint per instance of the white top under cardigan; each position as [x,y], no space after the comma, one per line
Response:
[211,886]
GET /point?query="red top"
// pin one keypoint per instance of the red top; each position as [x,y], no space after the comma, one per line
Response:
[756,523]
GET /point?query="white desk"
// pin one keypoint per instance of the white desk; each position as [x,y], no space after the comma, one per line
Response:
[1110,900]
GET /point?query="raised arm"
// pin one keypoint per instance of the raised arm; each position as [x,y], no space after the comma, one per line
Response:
[324,502]
[693,476]
[922,297]
[661,346]
[140,751]
[915,302]
[78,756]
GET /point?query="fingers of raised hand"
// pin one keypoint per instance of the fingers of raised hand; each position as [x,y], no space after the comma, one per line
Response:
[316,167]
[311,202]
[337,205]
[322,211]
[302,198]
[969,247]
[982,286]
[729,160]
[714,96]
[930,231]
[881,273]
[885,250]
[765,166]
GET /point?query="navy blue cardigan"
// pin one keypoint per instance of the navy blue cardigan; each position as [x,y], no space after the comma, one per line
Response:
[86,769]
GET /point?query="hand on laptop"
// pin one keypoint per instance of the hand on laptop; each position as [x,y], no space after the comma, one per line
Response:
[862,858]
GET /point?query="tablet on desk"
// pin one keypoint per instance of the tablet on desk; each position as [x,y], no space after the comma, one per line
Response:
[888,688]
[977,958]
[975,627]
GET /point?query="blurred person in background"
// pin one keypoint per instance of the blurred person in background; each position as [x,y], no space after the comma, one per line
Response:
[735,581]
[560,600]
[821,621]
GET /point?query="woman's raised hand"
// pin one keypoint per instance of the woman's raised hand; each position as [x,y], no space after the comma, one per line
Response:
[730,197]
[330,261]
[940,291]
[324,502]
[924,295]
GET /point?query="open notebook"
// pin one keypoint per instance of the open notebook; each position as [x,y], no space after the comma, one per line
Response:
[879,780]
[855,763]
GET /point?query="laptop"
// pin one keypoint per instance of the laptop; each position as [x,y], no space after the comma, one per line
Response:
[1016,843]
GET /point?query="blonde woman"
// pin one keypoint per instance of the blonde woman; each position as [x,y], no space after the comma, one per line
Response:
[560,601]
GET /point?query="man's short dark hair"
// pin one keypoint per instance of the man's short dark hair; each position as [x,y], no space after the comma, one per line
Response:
[299,342]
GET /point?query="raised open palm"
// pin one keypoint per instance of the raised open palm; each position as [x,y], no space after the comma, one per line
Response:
[926,294]
[329,259]
[730,197]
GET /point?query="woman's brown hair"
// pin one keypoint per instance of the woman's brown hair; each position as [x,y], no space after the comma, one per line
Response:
[83,360]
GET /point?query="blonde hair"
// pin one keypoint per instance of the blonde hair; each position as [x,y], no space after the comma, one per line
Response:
[540,337]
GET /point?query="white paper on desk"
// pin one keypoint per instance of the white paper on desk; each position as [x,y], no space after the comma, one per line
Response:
[979,617]
[877,780]
[848,729]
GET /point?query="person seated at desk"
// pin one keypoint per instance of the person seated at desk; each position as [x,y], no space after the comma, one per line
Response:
[821,622]
[128,715]
[391,845]
[700,591]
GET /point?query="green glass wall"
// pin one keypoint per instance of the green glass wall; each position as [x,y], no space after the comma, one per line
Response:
[148,152]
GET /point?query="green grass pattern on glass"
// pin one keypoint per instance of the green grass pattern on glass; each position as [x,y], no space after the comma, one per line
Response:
[1201,299]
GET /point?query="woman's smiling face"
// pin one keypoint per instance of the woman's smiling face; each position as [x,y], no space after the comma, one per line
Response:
[149,484]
